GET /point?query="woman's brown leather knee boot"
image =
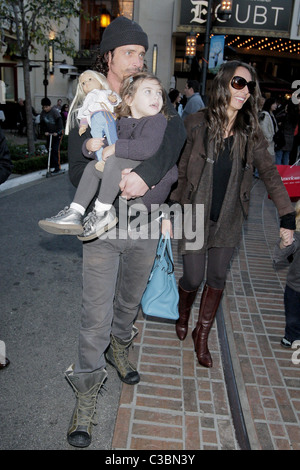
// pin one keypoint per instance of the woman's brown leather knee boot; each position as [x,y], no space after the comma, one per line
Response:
[209,304]
[186,300]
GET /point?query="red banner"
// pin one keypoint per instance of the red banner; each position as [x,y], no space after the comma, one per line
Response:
[290,176]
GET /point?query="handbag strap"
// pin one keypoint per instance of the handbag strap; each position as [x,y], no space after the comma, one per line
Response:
[165,251]
[163,244]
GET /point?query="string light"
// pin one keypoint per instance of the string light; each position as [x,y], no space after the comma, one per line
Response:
[278,45]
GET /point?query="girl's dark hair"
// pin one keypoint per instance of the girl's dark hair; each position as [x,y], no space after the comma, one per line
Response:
[129,88]
[245,126]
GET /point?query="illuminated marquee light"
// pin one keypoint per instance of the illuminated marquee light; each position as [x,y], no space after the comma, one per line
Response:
[225,10]
[190,46]
[278,45]
[226,5]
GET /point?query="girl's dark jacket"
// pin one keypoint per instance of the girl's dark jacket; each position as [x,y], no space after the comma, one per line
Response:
[195,185]
[151,170]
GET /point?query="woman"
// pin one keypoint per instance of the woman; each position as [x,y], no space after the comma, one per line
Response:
[175,98]
[224,143]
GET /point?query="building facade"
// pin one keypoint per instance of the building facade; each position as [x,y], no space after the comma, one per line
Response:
[262,32]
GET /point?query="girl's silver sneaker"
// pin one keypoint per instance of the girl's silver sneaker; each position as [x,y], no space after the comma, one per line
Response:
[66,222]
[96,223]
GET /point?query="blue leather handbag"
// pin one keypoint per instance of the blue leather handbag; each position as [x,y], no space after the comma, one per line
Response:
[161,297]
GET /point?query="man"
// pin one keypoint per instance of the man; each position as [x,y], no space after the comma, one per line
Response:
[194,100]
[58,105]
[115,270]
[51,124]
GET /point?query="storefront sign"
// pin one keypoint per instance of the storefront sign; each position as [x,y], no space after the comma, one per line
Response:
[248,14]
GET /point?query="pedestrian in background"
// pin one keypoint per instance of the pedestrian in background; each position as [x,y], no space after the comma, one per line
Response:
[6,167]
[268,122]
[175,98]
[287,126]
[21,117]
[64,113]
[268,125]
[58,105]
[194,100]
[51,125]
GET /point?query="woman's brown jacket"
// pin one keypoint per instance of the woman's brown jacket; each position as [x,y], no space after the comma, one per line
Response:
[195,181]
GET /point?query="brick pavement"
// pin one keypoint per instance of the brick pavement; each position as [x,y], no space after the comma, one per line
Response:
[179,405]
[255,301]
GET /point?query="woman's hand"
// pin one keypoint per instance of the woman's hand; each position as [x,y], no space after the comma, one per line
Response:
[287,237]
[93,145]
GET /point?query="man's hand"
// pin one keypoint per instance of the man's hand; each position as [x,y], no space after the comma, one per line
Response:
[132,185]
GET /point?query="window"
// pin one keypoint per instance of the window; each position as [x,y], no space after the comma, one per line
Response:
[8,77]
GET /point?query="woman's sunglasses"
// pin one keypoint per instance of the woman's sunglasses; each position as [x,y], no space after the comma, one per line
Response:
[238,83]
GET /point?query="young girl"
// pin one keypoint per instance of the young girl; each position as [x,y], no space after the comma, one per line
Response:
[140,130]
[94,105]
[285,254]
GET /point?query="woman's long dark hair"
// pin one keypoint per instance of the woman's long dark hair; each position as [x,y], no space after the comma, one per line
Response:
[245,126]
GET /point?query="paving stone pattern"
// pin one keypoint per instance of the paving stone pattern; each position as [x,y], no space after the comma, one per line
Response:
[179,405]
[255,296]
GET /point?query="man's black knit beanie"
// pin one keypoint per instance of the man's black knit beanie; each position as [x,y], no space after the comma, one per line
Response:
[122,32]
